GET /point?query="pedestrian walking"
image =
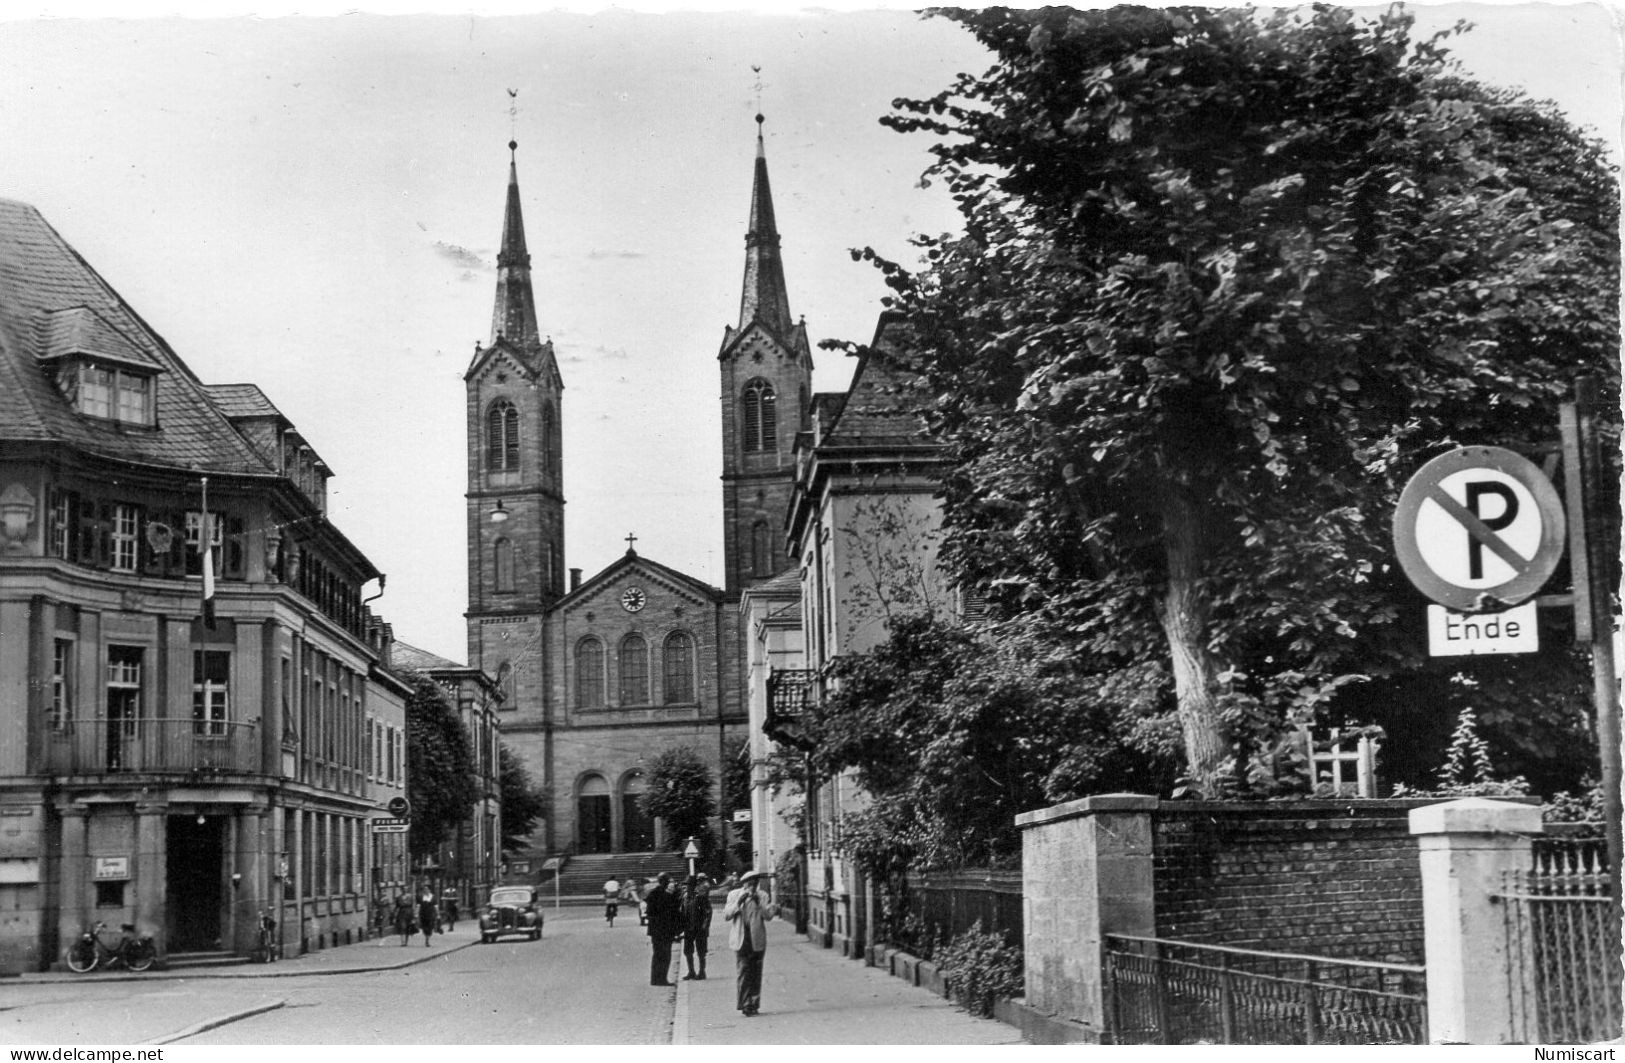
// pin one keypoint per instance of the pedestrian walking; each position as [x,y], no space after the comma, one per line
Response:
[665,926]
[451,910]
[747,936]
[428,916]
[612,899]
[696,926]
[405,919]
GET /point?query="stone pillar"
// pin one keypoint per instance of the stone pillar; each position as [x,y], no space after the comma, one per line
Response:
[73,875]
[151,873]
[1466,847]
[1086,873]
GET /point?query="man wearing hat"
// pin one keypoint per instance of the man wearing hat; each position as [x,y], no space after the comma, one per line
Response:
[665,926]
[747,936]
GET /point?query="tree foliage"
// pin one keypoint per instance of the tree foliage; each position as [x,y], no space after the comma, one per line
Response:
[440,779]
[523,803]
[1227,279]
[680,790]
[953,735]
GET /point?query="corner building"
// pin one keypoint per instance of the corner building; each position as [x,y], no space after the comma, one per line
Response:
[601,674]
[179,765]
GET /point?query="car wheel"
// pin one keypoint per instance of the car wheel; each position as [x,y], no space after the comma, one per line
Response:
[488,938]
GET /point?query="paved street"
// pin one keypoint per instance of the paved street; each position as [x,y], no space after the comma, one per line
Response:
[582,983]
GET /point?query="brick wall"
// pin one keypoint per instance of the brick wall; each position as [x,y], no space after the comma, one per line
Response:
[1331,878]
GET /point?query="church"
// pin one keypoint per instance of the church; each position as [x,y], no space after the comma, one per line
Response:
[602,674]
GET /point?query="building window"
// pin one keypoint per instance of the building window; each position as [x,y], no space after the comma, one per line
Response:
[61,684]
[679,670]
[760,420]
[111,394]
[211,685]
[504,565]
[633,663]
[194,539]
[59,533]
[502,437]
[123,703]
[589,674]
[125,539]
[110,894]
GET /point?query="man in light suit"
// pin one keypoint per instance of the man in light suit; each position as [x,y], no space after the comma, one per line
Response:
[747,915]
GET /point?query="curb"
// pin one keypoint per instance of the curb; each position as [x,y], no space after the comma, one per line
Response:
[219,1020]
[206,972]
[679,1018]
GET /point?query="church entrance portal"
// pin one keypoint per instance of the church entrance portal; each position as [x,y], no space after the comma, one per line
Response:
[637,829]
[193,869]
[594,827]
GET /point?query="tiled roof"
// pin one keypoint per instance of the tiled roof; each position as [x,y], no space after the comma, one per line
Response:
[405,657]
[241,400]
[51,298]
[882,407]
[79,330]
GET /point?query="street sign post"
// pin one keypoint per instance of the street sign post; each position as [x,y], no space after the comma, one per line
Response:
[1452,634]
[692,852]
[1479,529]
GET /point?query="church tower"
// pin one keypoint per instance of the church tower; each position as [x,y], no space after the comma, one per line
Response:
[515,478]
[766,369]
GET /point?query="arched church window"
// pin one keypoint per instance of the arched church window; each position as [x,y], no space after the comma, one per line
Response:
[501,437]
[634,670]
[589,674]
[546,433]
[503,550]
[760,419]
[679,670]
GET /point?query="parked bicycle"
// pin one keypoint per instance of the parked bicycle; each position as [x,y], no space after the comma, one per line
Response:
[134,951]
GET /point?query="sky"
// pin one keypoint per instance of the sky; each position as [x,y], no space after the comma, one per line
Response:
[313,203]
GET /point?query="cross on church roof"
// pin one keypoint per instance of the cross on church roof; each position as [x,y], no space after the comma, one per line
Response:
[630,539]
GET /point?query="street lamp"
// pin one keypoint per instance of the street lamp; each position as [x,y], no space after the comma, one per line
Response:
[499,514]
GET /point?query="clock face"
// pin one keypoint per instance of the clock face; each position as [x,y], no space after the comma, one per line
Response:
[632,599]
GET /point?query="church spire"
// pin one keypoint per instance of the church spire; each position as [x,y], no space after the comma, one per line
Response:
[765,298]
[514,315]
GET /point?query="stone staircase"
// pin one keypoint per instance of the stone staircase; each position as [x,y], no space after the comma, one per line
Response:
[177,960]
[584,876]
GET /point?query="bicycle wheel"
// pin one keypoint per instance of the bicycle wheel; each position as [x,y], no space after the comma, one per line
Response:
[80,956]
[139,955]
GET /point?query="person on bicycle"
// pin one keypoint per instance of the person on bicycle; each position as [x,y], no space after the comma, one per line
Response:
[612,900]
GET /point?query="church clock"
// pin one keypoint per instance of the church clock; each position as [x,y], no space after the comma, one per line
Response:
[632,599]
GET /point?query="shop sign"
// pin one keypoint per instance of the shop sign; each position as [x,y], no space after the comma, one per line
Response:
[110,868]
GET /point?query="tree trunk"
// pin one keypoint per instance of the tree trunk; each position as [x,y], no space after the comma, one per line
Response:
[1184,617]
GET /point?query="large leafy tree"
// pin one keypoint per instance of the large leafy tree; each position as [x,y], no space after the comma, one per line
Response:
[680,790]
[440,779]
[1227,278]
[523,804]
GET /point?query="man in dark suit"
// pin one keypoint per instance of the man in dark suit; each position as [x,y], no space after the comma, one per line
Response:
[665,926]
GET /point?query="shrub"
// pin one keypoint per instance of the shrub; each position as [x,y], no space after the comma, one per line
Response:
[981,968]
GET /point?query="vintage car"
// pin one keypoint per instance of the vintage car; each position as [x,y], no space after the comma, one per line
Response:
[511,910]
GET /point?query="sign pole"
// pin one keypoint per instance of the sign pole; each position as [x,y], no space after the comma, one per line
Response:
[1605,684]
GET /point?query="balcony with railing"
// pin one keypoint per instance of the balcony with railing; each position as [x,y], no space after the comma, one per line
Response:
[145,745]
[789,695]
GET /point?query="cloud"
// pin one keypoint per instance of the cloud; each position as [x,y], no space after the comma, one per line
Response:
[462,256]
[615,254]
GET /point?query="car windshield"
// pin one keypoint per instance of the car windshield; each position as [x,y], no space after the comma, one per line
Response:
[520,896]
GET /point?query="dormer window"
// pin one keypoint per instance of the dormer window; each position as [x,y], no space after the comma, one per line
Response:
[112,393]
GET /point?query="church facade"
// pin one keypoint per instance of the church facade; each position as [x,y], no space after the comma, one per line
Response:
[600,675]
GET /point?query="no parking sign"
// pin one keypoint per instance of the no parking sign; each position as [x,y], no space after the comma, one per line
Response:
[1479,529]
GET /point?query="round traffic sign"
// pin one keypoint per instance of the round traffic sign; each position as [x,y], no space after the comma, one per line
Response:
[1479,529]
[399,806]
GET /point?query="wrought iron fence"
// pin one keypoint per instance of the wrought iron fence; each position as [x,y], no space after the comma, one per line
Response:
[1180,992]
[949,905]
[1563,945]
[100,746]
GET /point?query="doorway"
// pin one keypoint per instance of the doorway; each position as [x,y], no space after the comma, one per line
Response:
[593,816]
[194,869]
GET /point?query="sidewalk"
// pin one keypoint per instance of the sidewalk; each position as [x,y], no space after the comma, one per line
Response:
[813,995]
[384,954]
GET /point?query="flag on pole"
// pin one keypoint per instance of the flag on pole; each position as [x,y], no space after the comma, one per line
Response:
[206,549]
